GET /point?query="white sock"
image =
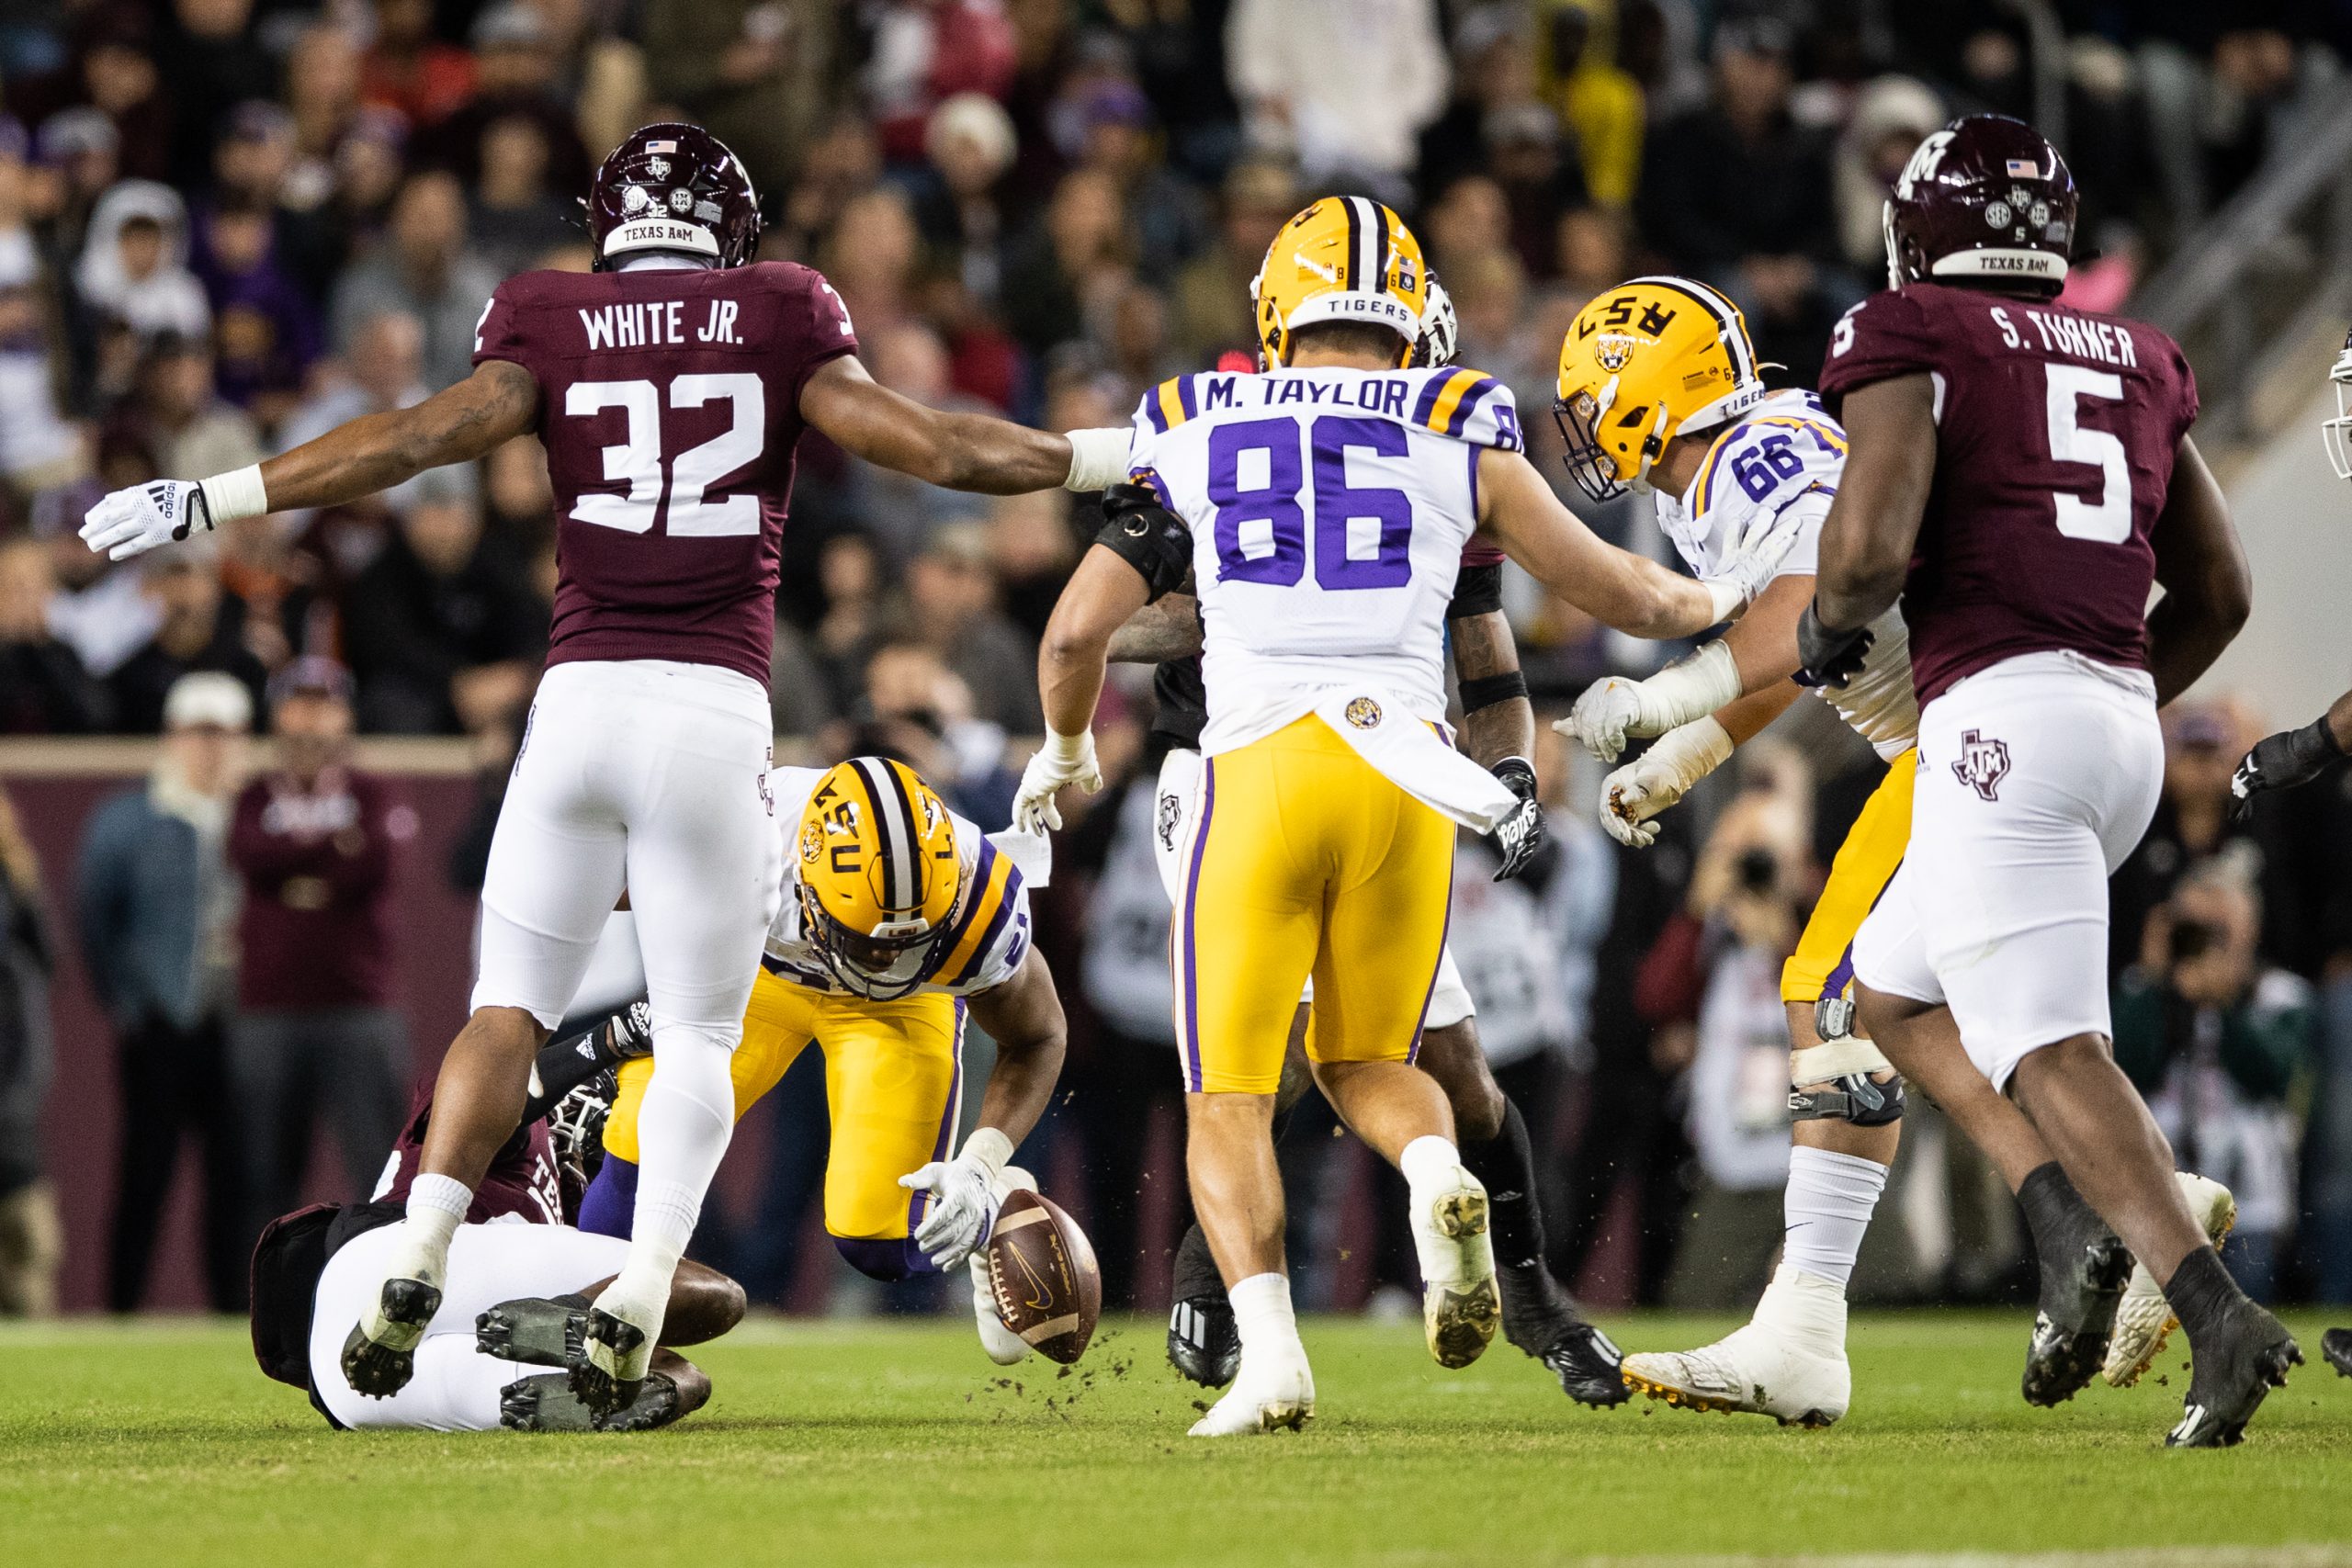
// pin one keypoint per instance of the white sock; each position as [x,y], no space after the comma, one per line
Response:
[1826,1207]
[436,1205]
[1428,1160]
[682,1130]
[1261,1311]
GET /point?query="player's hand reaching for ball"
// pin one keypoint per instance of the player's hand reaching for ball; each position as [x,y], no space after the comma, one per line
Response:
[964,1198]
[1063,761]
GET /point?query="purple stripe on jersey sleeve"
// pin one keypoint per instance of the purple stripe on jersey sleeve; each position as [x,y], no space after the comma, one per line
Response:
[1469,403]
[1150,408]
[1190,913]
[1185,395]
[1428,403]
[1159,486]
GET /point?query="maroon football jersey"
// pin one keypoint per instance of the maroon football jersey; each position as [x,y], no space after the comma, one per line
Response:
[522,1179]
[669,405]
[2055,432]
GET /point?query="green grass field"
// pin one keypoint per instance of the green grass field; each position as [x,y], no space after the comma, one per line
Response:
[895,1443]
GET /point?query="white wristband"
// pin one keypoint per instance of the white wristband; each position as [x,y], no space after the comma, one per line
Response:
[988,1149]
[1696,685]
[1690,751]
[1098,458]
[228,497]
[1066,749]
[1728,600]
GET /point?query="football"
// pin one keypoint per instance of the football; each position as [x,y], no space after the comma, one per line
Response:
[1042,1268]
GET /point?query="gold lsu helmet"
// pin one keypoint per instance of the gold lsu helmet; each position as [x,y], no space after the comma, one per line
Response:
[1649,360]
[1346,258]
[880,877]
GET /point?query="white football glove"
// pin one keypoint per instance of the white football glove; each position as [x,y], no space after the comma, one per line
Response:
[1064,760]
[1633,796]
[131,521]
[1613,709]
[964,1198]
[1753,559]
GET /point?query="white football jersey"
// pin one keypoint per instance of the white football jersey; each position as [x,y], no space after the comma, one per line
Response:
[1786,457]
[1328,510]
[991,918]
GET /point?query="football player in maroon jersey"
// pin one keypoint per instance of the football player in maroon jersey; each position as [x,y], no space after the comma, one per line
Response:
[2022,476]
[669,386]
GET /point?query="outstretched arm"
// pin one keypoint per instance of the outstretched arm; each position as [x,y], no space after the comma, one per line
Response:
[959,451]
[1023,1016]
[1102,596]
[499,402]
[1632,594]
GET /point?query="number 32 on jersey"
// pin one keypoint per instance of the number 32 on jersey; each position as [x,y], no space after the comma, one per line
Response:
[637,459]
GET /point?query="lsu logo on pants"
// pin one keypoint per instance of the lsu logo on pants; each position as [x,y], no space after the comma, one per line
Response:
[1982,764]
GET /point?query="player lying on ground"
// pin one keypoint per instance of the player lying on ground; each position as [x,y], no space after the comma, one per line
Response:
[1325,507]
[669,386]
[1728,451]
[873,849]
[2022,476]
[475,1363]
[1498,731]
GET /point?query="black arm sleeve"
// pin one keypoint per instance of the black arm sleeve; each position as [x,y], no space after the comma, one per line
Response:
[564,1065]
[1477,591]
[1148,536]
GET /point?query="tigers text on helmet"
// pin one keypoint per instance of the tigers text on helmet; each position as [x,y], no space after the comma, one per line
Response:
[1346,258]
[2336,434]
[880,877]
[1986,200]
[1644,362]
[674,187]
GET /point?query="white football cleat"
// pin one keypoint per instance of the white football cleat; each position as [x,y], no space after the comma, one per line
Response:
[1788,1363]
[2145,1320]
[1461,1303]
[1273,1392]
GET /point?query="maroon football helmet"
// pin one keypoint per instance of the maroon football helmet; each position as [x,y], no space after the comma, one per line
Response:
[1983,201]
[674,187]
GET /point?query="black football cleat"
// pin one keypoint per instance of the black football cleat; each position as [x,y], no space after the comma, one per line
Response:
[2235,1370]
[380,1354]
[543,1403]
[2336,1345]
[1204,1341]
[656,1405]
[538,1331]
[1541,1320]
[612,1362]
[2081,1285]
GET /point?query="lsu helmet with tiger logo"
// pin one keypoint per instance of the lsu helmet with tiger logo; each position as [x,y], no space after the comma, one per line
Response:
[1984,201]
[880,877]
[1650,360]
[1346,258]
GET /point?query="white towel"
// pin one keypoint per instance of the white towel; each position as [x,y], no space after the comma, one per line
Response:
[1415,757]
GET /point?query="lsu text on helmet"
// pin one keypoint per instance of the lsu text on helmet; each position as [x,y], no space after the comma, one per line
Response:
[1346,258]
[880,876]
[1650,360]
[674,187]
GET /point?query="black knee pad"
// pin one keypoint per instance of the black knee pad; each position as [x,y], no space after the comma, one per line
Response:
[1856,1098]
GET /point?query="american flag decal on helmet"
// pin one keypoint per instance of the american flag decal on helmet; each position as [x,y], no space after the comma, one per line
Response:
[2025,166]
[672,147]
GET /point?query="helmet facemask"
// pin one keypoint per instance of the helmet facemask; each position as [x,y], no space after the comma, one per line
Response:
[892,961]
[2335,434]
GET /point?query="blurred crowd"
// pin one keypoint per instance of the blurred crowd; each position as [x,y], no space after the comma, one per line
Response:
[228,225]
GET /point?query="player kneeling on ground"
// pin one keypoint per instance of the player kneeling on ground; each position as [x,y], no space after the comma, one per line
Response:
[898,920]
[520,1279]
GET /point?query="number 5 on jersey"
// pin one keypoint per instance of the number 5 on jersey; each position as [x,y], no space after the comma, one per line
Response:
[636,458]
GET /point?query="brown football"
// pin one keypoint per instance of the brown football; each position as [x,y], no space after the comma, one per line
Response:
[1042,1268]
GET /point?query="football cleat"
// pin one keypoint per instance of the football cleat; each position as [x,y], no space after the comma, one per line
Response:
[1461,1304]
[1004,1347]
[2336,1345]
[2145,1320]
[1788,1363]
[380,1354]
[611,1367]
[1203,1341]
[538,1331]
[1539,1318]
[2081,1287]
[2235,1371]
[1589,1366]
[546,1404]
[1274,1393]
